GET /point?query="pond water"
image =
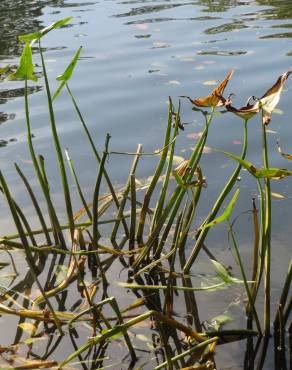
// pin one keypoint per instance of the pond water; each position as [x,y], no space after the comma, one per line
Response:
[135,54]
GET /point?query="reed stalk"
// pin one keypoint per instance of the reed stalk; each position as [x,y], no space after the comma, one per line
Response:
[226,190]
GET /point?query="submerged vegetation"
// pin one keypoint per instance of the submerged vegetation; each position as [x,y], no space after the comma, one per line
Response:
[147,237]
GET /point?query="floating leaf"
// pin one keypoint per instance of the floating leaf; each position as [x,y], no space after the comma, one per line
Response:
[224,274]
[173,82]
[160,45]
[277,195]
[39,34]
[26,68]
[215,99]
[225,215]
[268,131]
[270,173]
[65,77]
[218,321]
[209,83]
[141,26]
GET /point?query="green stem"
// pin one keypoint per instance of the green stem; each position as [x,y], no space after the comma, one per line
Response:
[58,149]
[201,238]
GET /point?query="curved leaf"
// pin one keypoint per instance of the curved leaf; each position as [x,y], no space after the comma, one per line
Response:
[65,77]
[26,68]
[225,215]
[39,34]
[269,173]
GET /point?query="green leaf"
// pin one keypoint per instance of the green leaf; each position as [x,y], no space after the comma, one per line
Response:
[225,215]
[39,34]
[179,180]
[67,73]
[224,274]
[271,173]
[26,68]
[114,336]
[218,321]
[4,69]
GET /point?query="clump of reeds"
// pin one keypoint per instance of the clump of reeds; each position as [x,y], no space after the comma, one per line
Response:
[149,241]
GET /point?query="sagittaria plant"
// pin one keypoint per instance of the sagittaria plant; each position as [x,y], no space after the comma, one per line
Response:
[154,258]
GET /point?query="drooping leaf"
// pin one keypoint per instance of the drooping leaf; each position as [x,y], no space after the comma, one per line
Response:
[65,77]
[225,215]
[270,173]
[215,99]
[181,169]
[39,34]
[246,112]
[26,68]
[271,98]
[224,274]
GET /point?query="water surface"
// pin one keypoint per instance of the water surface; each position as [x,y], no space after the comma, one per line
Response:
[136,54]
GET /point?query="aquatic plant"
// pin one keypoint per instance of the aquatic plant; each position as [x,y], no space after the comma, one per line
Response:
[160,279]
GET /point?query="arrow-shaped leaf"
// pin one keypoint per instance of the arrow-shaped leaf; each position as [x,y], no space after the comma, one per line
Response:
[225,215]
[39,34]
[26,68]
[65,77]
[271,173]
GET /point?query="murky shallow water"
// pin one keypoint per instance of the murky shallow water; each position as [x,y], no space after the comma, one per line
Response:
[136,54]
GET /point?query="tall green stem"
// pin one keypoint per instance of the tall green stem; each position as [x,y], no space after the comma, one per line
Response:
[267,233]
[216,207]
[58,149]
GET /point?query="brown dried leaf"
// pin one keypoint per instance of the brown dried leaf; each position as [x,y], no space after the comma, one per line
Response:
[271,98]
[215,99]
[246,112]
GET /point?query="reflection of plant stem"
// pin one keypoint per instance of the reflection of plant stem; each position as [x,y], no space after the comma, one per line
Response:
[249,295]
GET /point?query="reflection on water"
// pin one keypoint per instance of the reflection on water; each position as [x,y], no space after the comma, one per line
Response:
[18,17]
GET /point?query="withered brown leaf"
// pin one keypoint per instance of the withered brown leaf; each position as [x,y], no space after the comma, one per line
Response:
[215,99]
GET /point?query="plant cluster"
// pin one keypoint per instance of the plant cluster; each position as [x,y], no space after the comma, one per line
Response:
[150,242]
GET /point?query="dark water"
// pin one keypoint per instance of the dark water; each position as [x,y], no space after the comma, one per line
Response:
[136,54]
